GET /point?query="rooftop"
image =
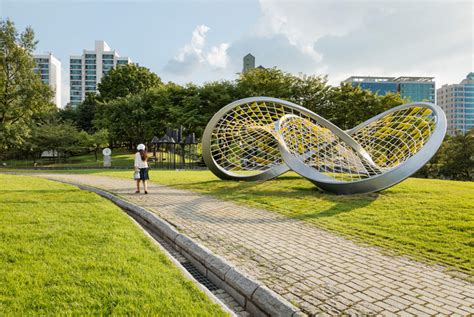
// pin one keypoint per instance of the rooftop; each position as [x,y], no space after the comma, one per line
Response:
[388,79]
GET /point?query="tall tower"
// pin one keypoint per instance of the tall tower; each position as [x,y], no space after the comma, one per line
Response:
[249,62]
[86,70]
[457,101]
[49,68]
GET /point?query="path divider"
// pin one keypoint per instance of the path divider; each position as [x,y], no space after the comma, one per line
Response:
[252,295]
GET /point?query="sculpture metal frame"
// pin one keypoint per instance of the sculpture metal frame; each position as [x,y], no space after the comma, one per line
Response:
[290,131]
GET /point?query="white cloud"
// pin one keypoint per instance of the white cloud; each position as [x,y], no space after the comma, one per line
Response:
[194,48]
[343,38]
[359,38]
[193,56]
[218,57]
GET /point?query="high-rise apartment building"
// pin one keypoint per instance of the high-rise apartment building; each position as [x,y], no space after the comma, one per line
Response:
[249,62]
[49,68]
[86,70]
[457,101]
[413,88]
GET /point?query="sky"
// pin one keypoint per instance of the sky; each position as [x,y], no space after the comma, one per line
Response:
[199,41]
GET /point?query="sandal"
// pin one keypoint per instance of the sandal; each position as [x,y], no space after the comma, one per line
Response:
[146,192]
[137,192]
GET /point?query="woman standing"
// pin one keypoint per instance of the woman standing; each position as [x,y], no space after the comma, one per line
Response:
[141,166]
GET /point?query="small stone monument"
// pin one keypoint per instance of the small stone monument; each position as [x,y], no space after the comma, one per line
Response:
[107,160]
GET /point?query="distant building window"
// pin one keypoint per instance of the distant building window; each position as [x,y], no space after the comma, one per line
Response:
[76,61]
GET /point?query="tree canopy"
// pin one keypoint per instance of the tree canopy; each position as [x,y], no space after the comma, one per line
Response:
[126,80]
[22,93]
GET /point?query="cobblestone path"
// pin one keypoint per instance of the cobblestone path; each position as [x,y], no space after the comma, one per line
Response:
[318,271]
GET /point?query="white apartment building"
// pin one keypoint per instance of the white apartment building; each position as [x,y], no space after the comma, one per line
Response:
[86,70]
[457,101]
[49,68]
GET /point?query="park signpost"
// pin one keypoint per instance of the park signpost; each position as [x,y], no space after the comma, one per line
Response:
[107,159]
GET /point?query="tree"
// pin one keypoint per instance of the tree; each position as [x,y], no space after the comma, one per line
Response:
[458,159]
[22,93]
[60,138]
[270,82]
[126,80]
[94,142]
[349,106]
[311,92]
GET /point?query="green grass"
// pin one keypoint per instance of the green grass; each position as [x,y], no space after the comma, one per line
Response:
[425,219]
[65,251]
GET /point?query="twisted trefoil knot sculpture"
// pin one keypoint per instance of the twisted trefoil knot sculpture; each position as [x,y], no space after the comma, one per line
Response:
[261,138]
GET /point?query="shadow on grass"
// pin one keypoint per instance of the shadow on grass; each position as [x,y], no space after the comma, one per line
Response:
[268,197]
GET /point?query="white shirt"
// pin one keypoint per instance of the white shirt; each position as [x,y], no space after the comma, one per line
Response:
[138,161]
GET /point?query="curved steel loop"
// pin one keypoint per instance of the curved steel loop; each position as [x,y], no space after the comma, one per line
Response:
[260,138]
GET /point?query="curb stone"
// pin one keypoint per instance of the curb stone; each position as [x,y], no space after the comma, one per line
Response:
[259,299]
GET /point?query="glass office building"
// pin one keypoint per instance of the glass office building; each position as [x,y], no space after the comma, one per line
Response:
[86,70]
[457,102]
[412,88]
[248,62]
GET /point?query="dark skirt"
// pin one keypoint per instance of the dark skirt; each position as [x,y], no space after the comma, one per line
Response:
[144,174]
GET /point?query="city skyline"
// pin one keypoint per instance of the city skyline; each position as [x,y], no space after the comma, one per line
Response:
[205,41]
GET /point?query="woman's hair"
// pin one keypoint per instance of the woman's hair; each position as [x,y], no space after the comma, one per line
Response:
[143,155]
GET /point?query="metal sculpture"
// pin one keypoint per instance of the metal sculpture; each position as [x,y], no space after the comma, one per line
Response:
[261,138]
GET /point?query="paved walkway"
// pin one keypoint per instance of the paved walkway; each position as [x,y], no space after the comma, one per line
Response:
[318,271]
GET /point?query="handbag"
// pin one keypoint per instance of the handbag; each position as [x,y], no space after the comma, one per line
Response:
[136,175]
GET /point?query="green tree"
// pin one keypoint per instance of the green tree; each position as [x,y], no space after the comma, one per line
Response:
[61,138]
[93,142]
[126,80]
[457,161]
[269,82]
[85,113]
[311,92]
[350,105]
[22,93]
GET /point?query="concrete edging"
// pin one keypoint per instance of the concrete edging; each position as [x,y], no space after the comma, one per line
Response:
[251,294]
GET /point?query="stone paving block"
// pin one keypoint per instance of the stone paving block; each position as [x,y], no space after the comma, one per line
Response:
[218,265]
[272,302]
[255,311]
[194,249]
[243,283]
[235,294]
[215,279]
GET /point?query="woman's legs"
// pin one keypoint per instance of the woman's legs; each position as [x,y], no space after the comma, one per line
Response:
[138,185]
[145,186]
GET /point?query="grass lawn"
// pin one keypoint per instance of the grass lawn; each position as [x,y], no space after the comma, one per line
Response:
[64,251]
[426,219]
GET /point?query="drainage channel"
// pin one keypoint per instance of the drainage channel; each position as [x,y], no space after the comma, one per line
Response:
[220,293]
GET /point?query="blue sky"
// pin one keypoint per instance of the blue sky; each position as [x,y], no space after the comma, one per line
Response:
[205,40]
